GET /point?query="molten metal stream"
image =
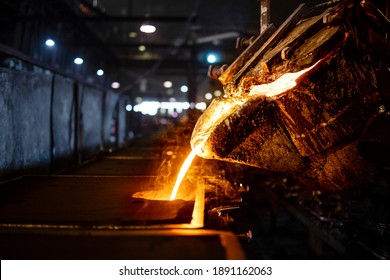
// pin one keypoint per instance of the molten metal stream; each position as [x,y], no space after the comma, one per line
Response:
[183,171]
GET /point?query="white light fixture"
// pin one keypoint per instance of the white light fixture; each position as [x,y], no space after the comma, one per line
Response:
[129,107]
[208,96]
[142,48]
[211,58]
[78,61]
[168,84]
[100,72]
[133,35]
[115,85]
[147,28]
[201,106]
[184,88]
[50,43]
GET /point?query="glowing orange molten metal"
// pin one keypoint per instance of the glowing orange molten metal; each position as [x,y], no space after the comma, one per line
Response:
[183,171]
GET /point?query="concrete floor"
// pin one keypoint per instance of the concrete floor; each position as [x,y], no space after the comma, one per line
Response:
[111,208]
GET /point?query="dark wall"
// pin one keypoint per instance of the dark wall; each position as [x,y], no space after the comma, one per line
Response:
[48,122]
[91,116]
[63,119]
[24,121]
[122,130]
[111,107]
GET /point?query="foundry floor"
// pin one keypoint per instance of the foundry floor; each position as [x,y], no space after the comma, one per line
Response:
[117,207]
[99,210]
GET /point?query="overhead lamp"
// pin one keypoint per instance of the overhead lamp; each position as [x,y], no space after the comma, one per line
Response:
[168,84]
[78,61]
[133,35]
[217,93]
[184,88]
[211,58]
[147,28]
[142,48]
[129,107]
[100,72]
[115,85]
[50,43]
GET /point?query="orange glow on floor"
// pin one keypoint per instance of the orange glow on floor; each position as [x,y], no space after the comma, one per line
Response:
[152,195]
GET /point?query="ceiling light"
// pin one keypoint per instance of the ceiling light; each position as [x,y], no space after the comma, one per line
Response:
[217,93]
[115,85]
[50,43]
[208,96]
[184,88]
[133,35]
[147,28]
[211,58]
[78,60]
[142,48]
[168,84]
[100,72]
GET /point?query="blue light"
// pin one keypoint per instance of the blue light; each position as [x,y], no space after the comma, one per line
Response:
[50,43]
[211,58]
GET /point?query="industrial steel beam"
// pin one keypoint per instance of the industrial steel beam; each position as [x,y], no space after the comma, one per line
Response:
[75,18]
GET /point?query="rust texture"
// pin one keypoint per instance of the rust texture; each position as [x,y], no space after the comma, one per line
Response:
[311,130]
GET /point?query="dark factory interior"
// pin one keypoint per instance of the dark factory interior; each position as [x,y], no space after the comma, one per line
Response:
[194,130]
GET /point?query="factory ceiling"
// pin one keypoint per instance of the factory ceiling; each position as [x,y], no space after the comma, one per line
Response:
[106,34]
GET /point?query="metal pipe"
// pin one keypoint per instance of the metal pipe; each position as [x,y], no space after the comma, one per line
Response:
[265,7]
